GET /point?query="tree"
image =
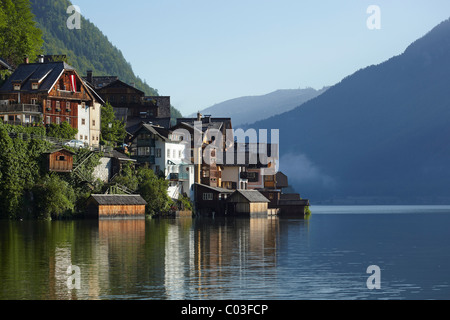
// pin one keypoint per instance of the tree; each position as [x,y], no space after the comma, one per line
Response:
[154,191]
[62,131]
[19,35]
[113,130]
[54,198]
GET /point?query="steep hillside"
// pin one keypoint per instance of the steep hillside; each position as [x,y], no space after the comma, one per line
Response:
[86,49]
[249,109]
[381,135]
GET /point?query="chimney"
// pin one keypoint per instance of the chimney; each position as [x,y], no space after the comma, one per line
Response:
[89,76]
[41,59]
[199,116]
[26,60]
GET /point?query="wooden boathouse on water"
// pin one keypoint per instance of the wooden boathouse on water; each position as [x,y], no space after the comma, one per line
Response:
[247,202]
[116,207]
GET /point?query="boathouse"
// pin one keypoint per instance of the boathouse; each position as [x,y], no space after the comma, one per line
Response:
[60,160]
[247,202]
[210,200]
[116,207]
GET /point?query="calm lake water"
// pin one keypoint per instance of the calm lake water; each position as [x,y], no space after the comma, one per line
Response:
[324,257]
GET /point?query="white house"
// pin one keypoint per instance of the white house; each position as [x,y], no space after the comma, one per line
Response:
[84,118]
[167,155]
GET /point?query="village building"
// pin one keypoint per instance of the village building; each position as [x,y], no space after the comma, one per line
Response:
[50,93]
[207,172]
[210,200]
[130,104]
[60,160]
[116,207]
[111,165]
[247,202]
[166,154]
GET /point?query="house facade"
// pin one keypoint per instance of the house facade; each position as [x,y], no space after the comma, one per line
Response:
[50,93]
[166,154]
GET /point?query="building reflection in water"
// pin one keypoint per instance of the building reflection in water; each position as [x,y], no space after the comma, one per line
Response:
[216,254]
[173,259]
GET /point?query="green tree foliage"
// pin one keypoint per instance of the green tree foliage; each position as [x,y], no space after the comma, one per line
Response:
[86,49]
[154,191]
[25,185]
[54,198]
[61,131]
[20,168]
[19,35]
[112,130]
[146,183]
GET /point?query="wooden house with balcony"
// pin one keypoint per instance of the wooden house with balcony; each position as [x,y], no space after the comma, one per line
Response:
[51,92]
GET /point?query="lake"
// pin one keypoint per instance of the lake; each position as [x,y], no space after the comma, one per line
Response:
[324,257]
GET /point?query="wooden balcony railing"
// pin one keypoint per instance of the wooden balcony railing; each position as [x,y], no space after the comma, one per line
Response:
[20,108]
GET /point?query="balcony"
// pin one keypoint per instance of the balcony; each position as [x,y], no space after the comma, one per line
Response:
[20,108]
[71,95]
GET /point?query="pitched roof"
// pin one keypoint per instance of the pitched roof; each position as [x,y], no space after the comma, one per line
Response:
[60,150]
[4,65]
[216,189]
[118,199]
[120,84]
[252,195]
[45,73]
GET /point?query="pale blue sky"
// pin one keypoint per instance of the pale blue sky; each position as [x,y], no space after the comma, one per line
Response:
[202,52]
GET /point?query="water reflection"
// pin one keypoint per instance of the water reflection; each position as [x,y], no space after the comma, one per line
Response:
[136,259]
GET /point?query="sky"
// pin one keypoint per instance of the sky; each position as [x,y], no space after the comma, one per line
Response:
[203,52]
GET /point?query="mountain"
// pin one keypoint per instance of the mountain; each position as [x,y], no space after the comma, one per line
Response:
[381,135]
[87,48]
[249,109]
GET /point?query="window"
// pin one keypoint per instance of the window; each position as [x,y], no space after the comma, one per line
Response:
[158,153]
[81,137]
[93,123]
[34,86]
[208,196]
[83,122]
[86,138]
[143,151]
[68,106]
[168,153]
[174,154]
[34,101]
[58,120]
[253,176]
[17,87]
[61,158]
[152,152]
[68,120]
[48,120]
[58,105]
